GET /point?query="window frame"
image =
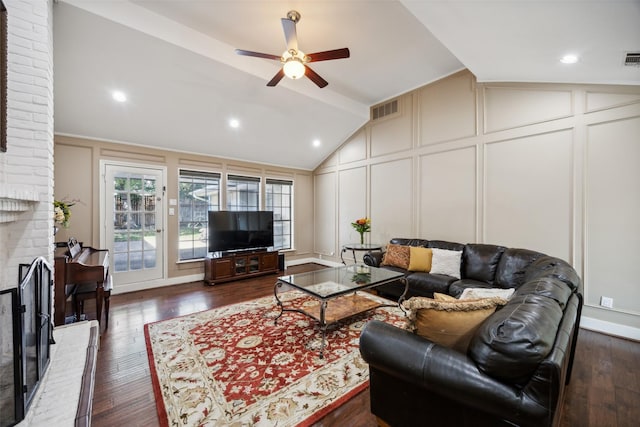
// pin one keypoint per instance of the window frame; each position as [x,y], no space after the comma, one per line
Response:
[246,179]
[209,177]
[290,221]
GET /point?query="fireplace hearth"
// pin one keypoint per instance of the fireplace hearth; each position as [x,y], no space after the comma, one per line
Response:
[25,339]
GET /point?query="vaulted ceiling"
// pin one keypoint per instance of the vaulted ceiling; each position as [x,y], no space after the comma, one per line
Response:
[175,61]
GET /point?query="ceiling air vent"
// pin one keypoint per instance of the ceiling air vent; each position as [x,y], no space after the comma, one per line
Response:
[632,60]
[383,110]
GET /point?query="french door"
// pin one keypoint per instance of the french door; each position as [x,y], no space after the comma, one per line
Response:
[134,223]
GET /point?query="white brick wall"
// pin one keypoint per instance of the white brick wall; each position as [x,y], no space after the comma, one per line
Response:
[27,166]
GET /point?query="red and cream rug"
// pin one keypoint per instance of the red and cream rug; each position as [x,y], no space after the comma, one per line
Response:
[233,366]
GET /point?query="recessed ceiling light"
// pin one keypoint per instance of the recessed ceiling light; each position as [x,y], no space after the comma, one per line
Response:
[316,143]
[234,123]
[569,59]
[119,96]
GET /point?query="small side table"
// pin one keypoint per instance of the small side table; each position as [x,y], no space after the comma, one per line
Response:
[359,247]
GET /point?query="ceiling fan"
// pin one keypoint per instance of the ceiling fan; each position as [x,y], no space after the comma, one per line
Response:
[294,61]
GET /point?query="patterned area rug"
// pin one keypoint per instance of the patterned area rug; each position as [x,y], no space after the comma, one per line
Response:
[232,366]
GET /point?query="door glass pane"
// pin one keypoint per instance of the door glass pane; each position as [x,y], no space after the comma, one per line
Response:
[135,260]
[135,238]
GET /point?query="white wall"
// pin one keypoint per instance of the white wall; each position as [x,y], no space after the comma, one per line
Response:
[546,167]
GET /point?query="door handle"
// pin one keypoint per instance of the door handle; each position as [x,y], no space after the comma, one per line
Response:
[158,230]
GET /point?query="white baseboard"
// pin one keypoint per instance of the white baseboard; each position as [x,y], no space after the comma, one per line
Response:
[141,286]
[610,328]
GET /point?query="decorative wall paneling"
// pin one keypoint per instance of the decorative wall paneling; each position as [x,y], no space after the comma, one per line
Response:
[355,149]
[352,203]
[447,111]
[528,187]
[509,107]
[547,167]
[447,201]
[392,200]
[393,135]
[612,231]
[325,191]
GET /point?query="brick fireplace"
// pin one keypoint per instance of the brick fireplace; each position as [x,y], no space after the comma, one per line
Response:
[26,168]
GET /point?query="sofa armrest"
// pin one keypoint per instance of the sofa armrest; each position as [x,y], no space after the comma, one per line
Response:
[373,258]
[440,370]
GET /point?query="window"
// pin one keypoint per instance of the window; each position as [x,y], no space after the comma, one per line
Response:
[243,193]
[199,192]
[278,200]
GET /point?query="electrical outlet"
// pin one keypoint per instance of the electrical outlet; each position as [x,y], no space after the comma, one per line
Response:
[606,302]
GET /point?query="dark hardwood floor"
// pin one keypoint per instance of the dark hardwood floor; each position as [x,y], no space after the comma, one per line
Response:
[604,390]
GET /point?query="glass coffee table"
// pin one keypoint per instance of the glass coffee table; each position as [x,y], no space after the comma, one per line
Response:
[336,289]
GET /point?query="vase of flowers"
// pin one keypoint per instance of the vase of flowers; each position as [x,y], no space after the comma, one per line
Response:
[62,212]
[362,225]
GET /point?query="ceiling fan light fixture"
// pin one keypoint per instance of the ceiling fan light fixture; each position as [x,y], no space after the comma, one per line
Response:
[293,68]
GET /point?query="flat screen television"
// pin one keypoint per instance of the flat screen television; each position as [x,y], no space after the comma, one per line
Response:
[238,230]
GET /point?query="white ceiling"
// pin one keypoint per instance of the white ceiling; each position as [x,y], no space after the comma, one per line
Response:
[175,61]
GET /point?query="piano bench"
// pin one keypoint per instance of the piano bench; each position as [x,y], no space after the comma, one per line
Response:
[88,291]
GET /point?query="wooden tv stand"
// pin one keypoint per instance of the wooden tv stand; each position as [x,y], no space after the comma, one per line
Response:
[239,265]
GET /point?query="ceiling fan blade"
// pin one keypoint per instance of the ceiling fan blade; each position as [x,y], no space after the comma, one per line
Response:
[257,54]
[290,35]
[276,79]
[315,77]
[329,54]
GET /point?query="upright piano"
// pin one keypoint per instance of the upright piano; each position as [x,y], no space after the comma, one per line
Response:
[76,265]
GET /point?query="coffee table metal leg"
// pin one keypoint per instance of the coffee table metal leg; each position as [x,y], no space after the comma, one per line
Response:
[323,325]
[275,294]
[402,297]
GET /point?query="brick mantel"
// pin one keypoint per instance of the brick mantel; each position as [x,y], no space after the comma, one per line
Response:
[14,201]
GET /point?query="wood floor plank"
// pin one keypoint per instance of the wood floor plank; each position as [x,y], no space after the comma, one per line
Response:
[604,389]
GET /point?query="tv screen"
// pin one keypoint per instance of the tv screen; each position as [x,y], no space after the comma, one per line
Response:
[237,230]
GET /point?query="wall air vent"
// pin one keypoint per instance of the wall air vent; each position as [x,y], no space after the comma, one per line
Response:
[632,59]
[383,110]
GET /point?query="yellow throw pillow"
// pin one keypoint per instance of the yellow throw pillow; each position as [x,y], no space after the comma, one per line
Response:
[450,323]
[396,256]
[420,259]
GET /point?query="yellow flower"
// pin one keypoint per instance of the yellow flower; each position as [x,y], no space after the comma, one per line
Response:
[362,225]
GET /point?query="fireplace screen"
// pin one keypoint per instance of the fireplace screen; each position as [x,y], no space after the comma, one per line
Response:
[10,407]
[25,338]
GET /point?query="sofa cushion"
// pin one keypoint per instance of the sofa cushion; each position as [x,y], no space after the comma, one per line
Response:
[511,343]
[549,287]
[446,262]
[420,259]
[396,256]
[480,262]
[425,284]
[548,266]
[449,323]
[513,266]
[443,244]
[409,242]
